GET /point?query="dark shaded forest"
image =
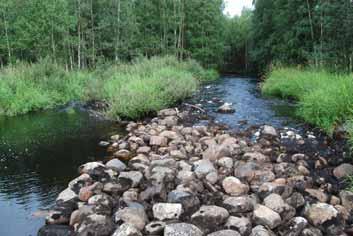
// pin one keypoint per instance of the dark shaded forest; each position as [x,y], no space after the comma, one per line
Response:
[84,33]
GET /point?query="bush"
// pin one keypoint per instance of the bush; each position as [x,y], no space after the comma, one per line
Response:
[146,86]
[325,99]
[132,90]
[27,87]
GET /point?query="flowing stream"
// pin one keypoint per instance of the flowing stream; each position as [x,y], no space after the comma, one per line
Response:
[40,152]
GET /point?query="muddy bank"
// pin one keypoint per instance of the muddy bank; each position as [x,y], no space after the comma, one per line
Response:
[169,178]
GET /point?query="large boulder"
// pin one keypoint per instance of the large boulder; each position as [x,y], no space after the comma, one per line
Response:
[127,230]
[236,205]
[267,217]
[167,211]
[56,230]
[233,186]
[209,217]
[226,232]
[132,216]
[343,170]
[320,213]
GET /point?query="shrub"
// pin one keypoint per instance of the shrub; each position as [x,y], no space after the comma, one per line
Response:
[133,89]
[325,99]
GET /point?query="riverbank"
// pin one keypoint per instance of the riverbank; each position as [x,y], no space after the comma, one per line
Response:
[324,99]
[166,178]
[131,90]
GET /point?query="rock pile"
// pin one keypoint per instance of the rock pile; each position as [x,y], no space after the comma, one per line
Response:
[171,180]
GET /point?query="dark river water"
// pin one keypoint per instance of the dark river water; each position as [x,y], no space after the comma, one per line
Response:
[40,152]
[251,108]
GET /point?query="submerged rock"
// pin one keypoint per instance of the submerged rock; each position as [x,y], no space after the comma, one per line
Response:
[226,108]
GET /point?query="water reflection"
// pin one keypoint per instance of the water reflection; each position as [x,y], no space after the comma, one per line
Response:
[39,155]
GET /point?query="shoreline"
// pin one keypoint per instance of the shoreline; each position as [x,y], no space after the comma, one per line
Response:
[165,178]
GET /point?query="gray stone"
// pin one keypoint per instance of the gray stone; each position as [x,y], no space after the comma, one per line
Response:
[260,231]
[311,232]
[320,213]
[133,216]
[158,141]
[127,230]
[294,227]
[209,217]
[203,167]
[122,154]
[233,186]
[226,162]
[343,170]
[226,232]
[56,230]
[67,195]
[269,130]
[238,204]
[317,194]
[256,156]
[167,112]
[296,200]
[182,229]
[189,201]
[347,199]
[134,176]
[226,108]
[95,225]
[116,164]
[240,224]
[167,211]
[155,227]
[266,216]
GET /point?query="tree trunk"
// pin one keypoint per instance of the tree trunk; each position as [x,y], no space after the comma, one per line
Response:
[117,39]
[93,37]
[79,34]
[7,38]
[312,31]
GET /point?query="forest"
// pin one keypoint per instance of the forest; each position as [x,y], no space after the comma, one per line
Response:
[84,33]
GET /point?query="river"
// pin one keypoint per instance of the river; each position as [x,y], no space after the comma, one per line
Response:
[40,152]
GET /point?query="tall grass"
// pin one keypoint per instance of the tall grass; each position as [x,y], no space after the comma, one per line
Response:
[132,90]
[27,87]
[146,85]
[325,99]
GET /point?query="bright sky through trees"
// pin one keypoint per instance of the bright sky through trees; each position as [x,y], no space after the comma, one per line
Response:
[234,7]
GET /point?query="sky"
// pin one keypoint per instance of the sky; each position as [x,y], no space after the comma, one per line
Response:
[234,7]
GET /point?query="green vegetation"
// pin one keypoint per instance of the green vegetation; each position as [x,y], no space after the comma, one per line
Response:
[349,183]
[311,32]
[26,87]
[325,99]
[82,33]
[132,90]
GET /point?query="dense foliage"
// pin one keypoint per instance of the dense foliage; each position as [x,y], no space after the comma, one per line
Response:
[81,33]
[316,32]
[132,90]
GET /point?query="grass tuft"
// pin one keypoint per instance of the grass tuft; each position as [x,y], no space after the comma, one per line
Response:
[325,99]
[132,90]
